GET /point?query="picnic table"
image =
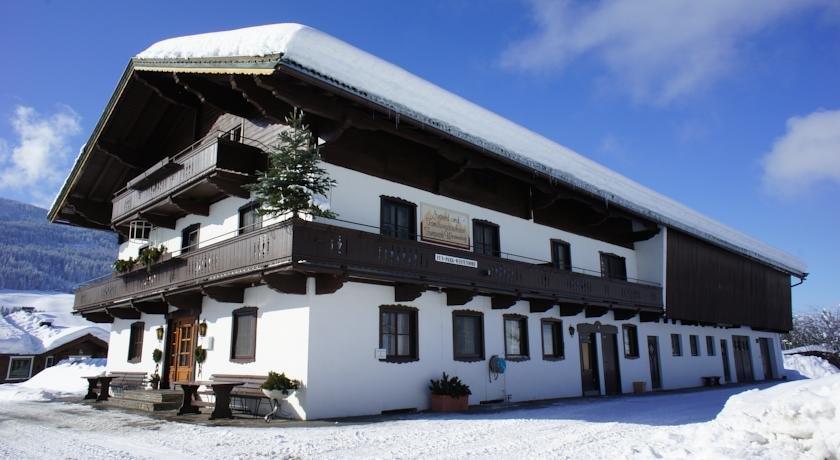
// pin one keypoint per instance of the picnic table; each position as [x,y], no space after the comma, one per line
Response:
[104,382]
[221,408]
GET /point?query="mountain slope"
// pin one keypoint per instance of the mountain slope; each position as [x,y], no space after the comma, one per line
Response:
[38,255]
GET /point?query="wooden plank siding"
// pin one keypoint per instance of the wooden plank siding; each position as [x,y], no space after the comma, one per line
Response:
[709,284]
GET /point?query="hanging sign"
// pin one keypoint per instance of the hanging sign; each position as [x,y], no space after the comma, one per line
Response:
[456,260]
[444,226]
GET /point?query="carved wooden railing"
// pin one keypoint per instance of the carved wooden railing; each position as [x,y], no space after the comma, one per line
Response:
[314,247]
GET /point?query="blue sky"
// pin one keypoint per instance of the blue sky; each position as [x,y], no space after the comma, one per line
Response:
[731,107]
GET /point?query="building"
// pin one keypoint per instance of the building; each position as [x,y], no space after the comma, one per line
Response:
[461,237]
[30,342]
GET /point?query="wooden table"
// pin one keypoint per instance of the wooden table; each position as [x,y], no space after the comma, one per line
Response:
[104,387]
[221,409]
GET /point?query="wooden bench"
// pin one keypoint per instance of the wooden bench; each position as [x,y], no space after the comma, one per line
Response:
[127,381]
[711,381]
[250,390]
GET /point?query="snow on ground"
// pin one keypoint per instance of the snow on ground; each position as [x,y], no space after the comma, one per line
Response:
[21,331]
[59,381]
[790,420]
[812,367]
[801,349]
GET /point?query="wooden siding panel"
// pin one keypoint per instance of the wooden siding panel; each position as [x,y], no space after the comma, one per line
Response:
[709,284]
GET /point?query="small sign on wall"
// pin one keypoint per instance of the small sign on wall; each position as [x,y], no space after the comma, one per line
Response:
[444,226]
[456,260]
[381,354]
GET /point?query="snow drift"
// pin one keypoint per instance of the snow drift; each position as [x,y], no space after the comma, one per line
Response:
[59,381]
[812,367]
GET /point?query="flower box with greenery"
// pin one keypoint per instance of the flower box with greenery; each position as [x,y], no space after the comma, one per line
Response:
[449,394]
[123,265]
[150,255]
[294,176]
[279,387]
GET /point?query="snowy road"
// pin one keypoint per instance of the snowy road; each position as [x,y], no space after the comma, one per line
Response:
[604,428]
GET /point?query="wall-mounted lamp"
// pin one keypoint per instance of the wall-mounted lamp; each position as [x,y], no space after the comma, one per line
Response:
[202,328]
[571,331]
[159,332]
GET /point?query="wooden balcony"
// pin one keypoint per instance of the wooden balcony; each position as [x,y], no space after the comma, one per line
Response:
[284,255]
[187,183]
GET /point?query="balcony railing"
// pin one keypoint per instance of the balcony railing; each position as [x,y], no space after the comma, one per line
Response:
[313,248]
[205,172]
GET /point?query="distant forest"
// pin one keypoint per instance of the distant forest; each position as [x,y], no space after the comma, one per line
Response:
[38,255]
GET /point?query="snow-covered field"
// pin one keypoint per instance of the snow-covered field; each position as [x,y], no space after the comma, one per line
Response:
[799,419]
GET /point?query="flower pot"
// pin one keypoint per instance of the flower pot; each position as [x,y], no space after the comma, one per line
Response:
[446,403]
[277,394]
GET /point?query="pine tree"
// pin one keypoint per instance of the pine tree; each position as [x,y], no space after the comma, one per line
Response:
[294,175]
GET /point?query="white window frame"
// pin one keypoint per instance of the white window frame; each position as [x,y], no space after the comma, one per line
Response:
[139,226]
[9,368]
[49,361]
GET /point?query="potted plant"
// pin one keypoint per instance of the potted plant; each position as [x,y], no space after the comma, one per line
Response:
[449,394]
[123,265]
[200,356]
[148,256]
[279,387]
[154,381]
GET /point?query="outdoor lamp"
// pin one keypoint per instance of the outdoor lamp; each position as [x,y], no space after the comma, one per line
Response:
[159,332]
[202,328]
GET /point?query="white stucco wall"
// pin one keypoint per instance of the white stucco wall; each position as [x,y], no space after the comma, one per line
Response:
[119,340]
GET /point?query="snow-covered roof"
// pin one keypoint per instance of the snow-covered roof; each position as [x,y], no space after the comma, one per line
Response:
[343,65]
[49,326]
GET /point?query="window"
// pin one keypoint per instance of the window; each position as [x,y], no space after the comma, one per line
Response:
[710,345]
[613,266]
[244,334]
[20,368]
[486,238]
[694,344]
[398,218]
[676,345]
[135,342]
[561,256]
[516,337]
[249,218]
[49,362]
[467,335]
[189,238]
[233,135]
[398,333]
[139,230]
[552,339]
[631,341]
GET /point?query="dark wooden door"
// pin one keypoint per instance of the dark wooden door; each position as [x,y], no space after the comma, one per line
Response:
[612,378]
[724,355]
[764,346]
[743,360]
[589,364]
[181,349]
[653,358]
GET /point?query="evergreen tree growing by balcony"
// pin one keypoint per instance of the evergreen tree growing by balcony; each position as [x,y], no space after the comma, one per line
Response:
[293,176]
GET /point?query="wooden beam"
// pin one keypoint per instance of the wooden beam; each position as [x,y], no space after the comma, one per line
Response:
[123,312]
[540,305]
[458,296]
[118,151]
[191,206]
[185,301]
[286,282]
[622,314]
[502,302]
[168,91]
[158,220]
[226,294]
[229,187]
[570,309]
[98,317]
[594,311]
[100,213]
[649,317]
[152,307]
[261,99]
[404,292]
[212,94]
[328,284]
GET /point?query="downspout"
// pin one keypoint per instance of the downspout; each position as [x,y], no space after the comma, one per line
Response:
[801,279]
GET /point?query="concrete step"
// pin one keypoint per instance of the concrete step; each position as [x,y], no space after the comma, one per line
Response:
[142,405]
[153,396]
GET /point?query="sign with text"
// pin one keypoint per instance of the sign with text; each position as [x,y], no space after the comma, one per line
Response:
[444,226]
[456,260]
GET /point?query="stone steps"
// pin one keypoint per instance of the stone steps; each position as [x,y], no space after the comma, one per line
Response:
[154,396]
[142,405]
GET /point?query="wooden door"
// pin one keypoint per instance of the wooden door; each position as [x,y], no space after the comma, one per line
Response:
[589,364]
[181,349]
[612,378]
[724,355]
[653,358]
[743,358]
[764,346]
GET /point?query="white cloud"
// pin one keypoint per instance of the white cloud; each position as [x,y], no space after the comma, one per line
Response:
[37,160]
[808,154]
[657,50]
